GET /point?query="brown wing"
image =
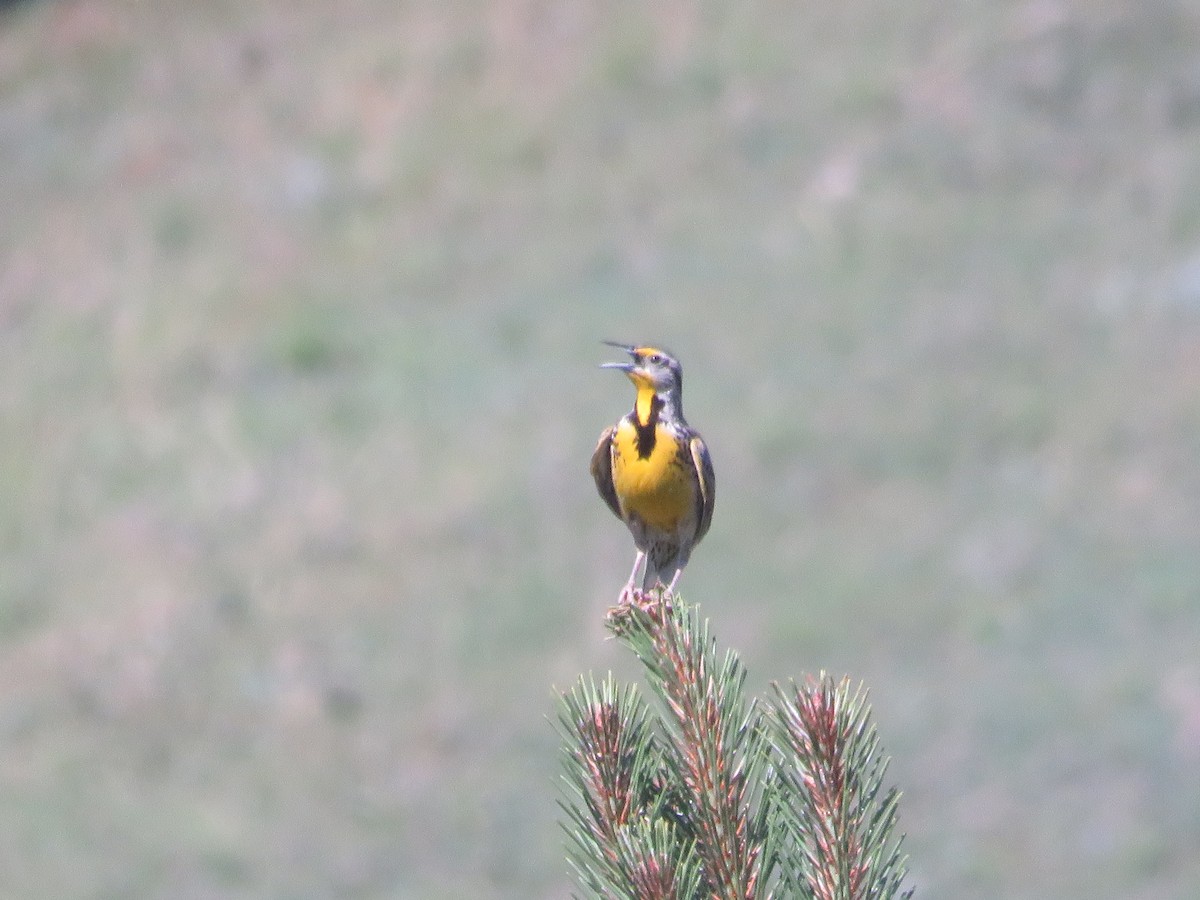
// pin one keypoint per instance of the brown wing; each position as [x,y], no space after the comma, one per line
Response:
[602,470]
[707,481]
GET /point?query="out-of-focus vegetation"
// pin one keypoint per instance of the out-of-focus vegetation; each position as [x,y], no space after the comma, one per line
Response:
[299,312]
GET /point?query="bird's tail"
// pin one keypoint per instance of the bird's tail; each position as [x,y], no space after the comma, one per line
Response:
[662,573]
[651,578]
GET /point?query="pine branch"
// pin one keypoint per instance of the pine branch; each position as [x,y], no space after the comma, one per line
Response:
[720,797]
[834,772]
[615,778]
[717,739]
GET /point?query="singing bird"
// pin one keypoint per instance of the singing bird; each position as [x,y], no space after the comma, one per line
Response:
[654,471]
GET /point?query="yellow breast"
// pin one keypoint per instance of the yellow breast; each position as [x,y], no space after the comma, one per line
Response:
[658,488]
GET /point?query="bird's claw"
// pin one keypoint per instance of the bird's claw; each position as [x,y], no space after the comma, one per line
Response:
[655,604]
[654,601]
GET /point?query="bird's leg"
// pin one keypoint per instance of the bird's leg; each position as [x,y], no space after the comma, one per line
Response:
[630,592]
[674,578]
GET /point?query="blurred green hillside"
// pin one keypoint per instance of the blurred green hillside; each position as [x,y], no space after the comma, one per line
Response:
[300,308]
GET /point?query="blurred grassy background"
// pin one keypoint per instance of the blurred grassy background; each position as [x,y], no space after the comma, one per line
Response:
[299,315]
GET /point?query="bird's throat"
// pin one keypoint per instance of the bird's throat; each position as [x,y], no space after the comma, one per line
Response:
[647,406]
[645,411]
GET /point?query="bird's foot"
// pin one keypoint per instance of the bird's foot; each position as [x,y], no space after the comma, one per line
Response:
[630,596]
[655,603]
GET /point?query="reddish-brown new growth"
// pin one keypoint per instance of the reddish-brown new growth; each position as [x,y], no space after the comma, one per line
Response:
[654,878]
[718,794]
[608,769]
[820,748]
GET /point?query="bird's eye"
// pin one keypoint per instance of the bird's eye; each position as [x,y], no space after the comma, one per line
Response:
[656,359]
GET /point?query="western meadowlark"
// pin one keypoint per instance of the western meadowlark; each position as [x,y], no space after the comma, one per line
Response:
[654,471]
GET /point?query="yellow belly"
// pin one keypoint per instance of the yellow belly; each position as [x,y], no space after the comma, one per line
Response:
[657,489]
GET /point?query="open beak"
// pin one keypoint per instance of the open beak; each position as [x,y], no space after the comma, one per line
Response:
[626,367]
[632,369]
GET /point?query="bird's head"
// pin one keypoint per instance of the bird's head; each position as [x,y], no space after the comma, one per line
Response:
[650,368]
[654,372]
